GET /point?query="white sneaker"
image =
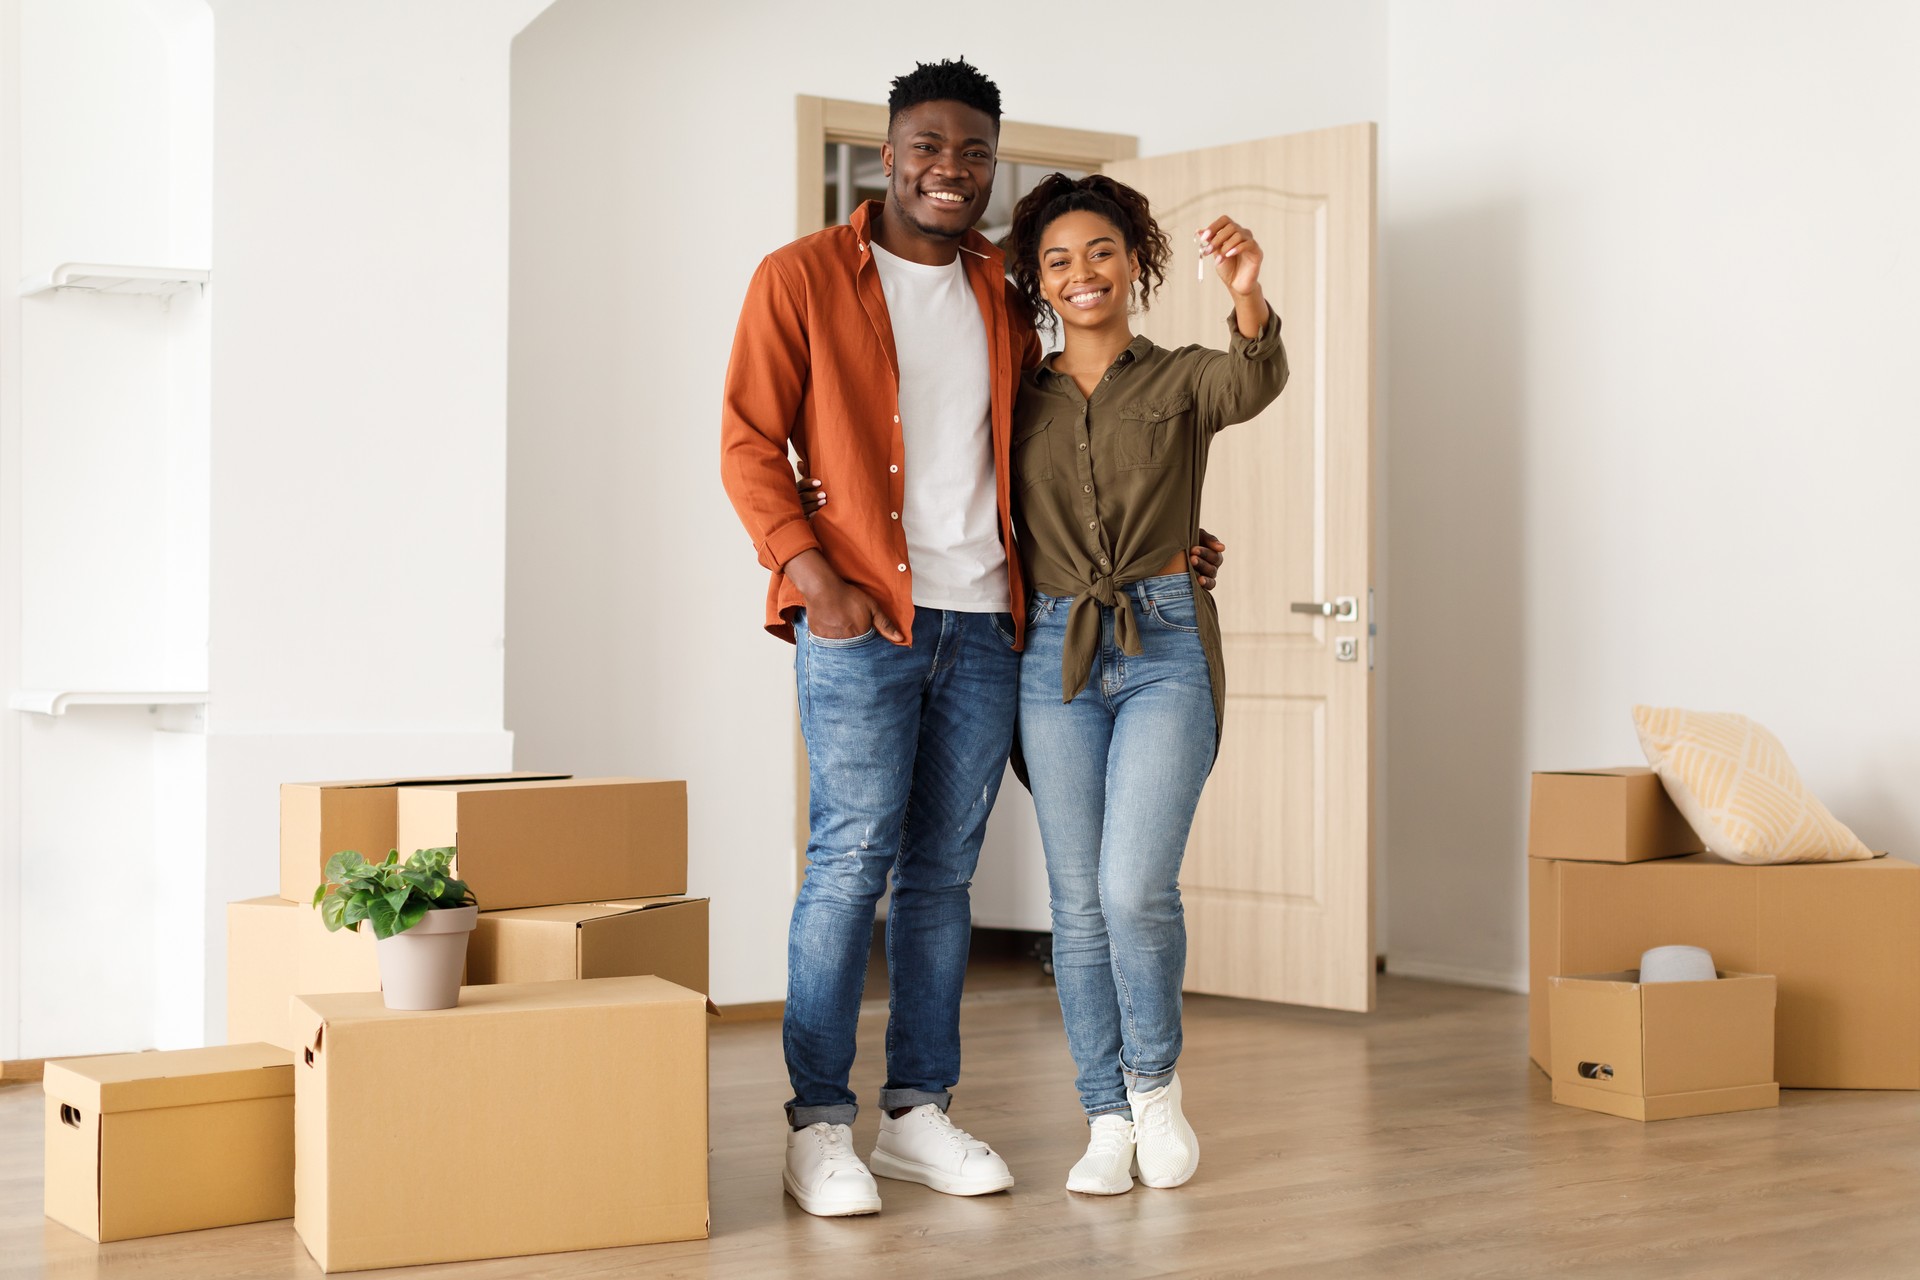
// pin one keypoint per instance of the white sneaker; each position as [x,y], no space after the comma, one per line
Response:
[1165,1144]
[823,1174]
[924,1146]
[1107,1168]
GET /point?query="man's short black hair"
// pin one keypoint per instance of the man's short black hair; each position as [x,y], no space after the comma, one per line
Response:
[955,80]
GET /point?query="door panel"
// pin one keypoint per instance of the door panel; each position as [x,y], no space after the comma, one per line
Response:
[1278,874]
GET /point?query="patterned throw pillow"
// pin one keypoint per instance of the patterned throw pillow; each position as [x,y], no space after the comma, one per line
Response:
[1733,783]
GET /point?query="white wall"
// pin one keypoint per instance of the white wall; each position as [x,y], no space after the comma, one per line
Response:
[104,572]
[345,165]
[1652,333]
[359,408]
[10,490]
[653,166]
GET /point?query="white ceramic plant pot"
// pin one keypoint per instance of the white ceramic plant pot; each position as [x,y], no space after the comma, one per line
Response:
[422,968]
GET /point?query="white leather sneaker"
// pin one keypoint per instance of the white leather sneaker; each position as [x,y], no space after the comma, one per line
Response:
[1107,1168]
[823,1174]
[924,1146]
[1164,1143]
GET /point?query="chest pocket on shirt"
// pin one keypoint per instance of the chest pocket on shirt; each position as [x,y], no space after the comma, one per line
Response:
[1032,462]
[1148,428]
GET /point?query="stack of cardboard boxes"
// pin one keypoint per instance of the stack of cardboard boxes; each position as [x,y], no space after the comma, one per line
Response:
[1614,870]
[561,1105]
[590,869]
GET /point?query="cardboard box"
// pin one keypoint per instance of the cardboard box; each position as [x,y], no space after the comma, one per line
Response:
[1841,938]
[278,949]
[1660,1050]
[319,819]
[143,1144]
[534,1118]
[537,844]
[1606,815]
[666,937]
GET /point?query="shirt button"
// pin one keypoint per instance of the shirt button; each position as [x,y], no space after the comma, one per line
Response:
[902,568]
[896,515]
[1092,524]
[896,417]
[1103,562]
[1086,488]
[893,468]
[1083,444]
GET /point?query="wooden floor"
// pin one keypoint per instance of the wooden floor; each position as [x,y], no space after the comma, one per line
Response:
[1413,1142]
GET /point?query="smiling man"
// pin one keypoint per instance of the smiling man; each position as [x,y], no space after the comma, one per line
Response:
[887,352]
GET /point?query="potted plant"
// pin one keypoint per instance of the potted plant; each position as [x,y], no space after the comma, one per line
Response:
[419,913]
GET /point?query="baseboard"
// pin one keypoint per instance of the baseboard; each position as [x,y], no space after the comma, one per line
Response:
[21,1070]
[764,1011]
[1460,975]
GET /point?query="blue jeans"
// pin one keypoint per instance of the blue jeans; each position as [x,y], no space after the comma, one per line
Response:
[1116,775]
[905,752]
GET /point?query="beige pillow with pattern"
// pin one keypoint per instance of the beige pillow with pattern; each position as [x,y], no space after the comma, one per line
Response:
[1733,783]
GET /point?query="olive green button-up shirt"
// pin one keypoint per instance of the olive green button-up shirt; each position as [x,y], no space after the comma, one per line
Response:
[1108,485]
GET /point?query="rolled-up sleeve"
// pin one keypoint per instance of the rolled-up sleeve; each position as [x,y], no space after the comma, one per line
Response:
[766,381]
[1236,384]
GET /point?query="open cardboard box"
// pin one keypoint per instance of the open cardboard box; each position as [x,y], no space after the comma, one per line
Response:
[1661,1050]
[1606,815]
[1841,938]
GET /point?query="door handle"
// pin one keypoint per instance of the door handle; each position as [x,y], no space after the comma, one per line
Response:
[1340,608]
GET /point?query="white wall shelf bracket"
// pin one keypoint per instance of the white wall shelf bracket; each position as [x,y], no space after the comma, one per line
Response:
[55,702]
[93,277]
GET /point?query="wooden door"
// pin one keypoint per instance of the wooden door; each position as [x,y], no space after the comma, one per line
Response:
[1278,874]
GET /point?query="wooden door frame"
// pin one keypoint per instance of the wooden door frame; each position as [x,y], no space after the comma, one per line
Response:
[819,121]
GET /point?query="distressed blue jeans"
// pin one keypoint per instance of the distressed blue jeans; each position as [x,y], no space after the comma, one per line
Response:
[905,751]
[1116,776]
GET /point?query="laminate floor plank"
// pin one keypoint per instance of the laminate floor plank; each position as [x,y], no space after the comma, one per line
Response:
[1411,1142]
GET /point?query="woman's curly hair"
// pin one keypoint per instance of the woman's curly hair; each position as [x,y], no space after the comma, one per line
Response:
[1058,194]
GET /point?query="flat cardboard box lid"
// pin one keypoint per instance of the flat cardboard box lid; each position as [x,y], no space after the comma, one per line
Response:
[1620,771]
[429,781]
[176,1078]
[581,912]
[313,1013]
[534,782]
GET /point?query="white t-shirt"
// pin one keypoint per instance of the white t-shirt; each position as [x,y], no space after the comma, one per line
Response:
[949,512]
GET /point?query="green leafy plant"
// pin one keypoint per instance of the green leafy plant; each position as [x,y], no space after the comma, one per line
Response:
[393,895]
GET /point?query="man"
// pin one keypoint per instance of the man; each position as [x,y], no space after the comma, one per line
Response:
[888,352]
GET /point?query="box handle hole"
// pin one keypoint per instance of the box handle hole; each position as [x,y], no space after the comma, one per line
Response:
[69,1116]
[1596,1071]
[309,1056]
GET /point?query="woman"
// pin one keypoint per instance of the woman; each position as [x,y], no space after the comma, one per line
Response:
[1121,683]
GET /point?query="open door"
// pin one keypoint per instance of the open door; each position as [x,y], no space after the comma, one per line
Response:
[1278,874]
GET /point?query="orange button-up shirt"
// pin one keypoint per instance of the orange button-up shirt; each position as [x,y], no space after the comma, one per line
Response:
[814,363]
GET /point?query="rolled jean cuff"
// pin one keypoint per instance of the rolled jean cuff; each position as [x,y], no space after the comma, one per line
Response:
[894,1099]
[838,1113]
[1137,1083]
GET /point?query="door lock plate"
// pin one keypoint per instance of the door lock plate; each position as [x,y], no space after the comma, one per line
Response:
[1346,649]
